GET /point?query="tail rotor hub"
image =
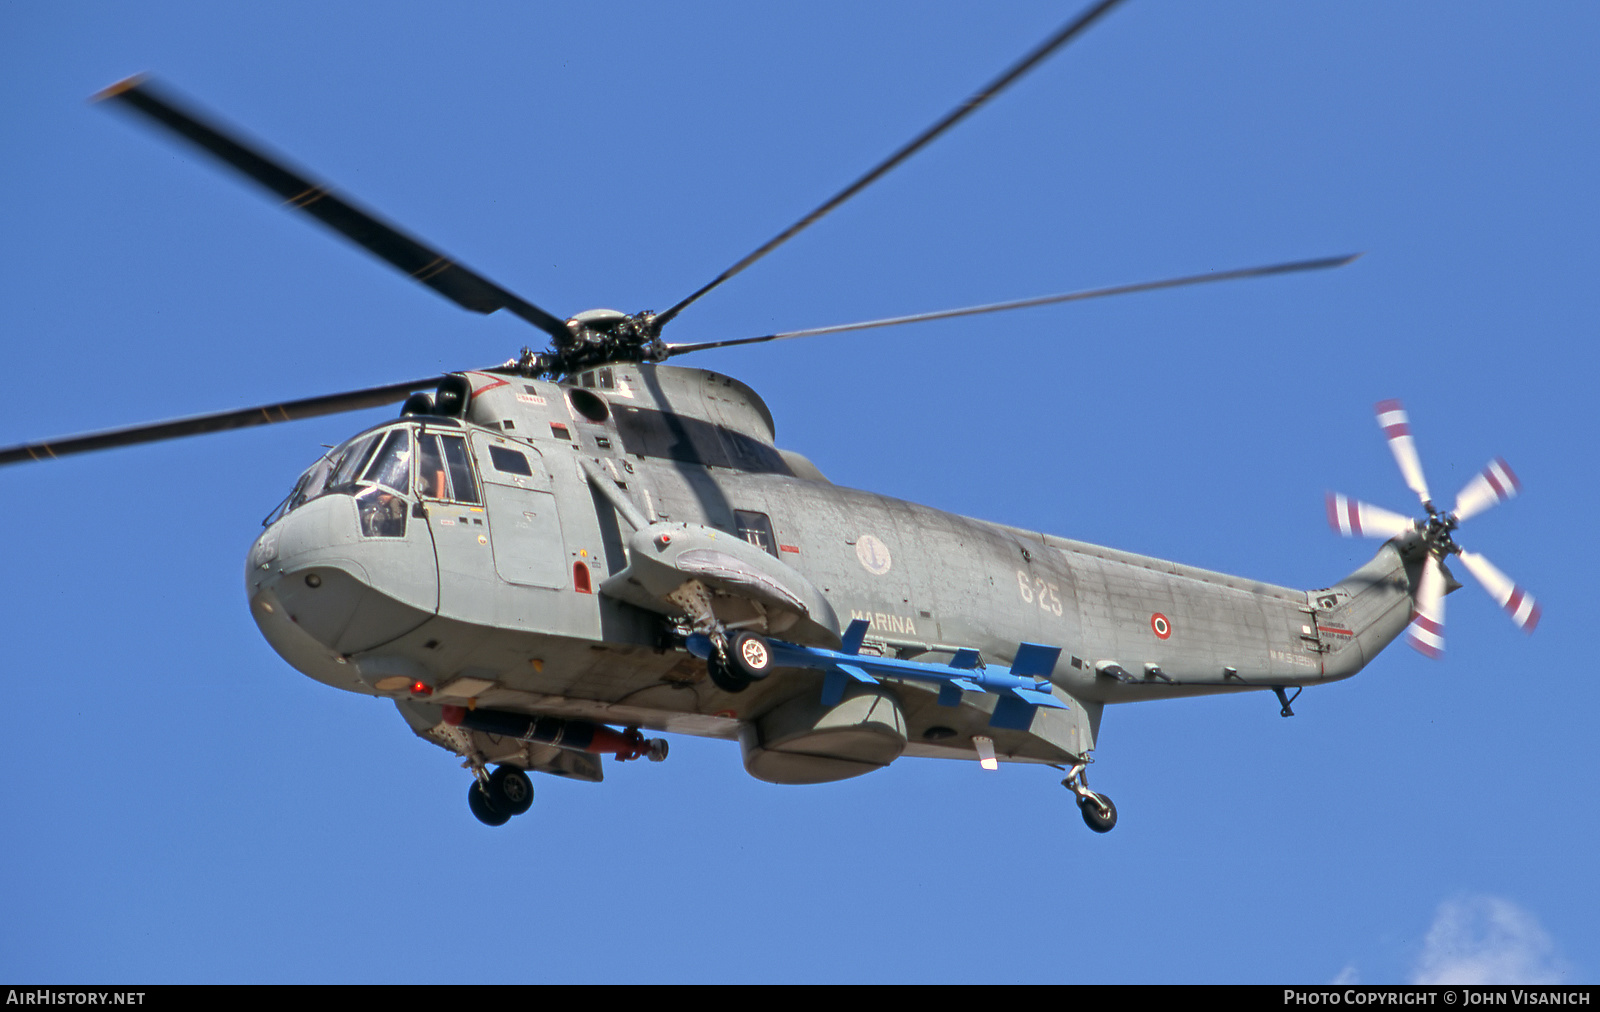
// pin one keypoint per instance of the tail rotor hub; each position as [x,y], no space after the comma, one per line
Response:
[1495,484]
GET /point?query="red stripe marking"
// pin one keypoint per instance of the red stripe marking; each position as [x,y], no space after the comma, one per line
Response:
[1533,620]
[1425,648]
[1505,469]
[788,548]
[1397,430]
[1355,515]
[1494,483]
[1514,602]
[1384,407]
[1427,624]
[483,390]
[1333,511]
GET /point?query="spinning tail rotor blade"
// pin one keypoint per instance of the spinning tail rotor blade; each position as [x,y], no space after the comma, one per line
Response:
[1397,429]
[1353,518]
[243,418]
[1426,632]
[1491,487]
[1518,603]
[430,267]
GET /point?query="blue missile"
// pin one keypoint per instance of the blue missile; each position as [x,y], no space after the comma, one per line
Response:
[1025,686]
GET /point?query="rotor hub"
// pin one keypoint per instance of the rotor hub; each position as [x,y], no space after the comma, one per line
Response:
[592,338]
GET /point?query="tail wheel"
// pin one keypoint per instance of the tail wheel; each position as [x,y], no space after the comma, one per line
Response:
[1098,818]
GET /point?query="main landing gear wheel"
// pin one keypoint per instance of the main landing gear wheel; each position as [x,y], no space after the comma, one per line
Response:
[511,790]
[724,674]
[483,808]
[506,793]
[1096,818]
[751,655]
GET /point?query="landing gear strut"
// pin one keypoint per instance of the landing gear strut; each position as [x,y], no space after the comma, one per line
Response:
[1099,814]
[495,797]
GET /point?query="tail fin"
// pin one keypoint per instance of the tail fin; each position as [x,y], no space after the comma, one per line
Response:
[1369,609]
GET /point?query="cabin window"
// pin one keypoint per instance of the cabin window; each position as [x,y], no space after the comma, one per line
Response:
[509,461]
[756,528]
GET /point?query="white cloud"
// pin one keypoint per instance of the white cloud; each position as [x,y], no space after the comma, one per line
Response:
[1487,940]
[1349,975]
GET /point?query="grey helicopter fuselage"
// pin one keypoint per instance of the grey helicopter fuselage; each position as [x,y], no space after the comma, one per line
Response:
[487,551]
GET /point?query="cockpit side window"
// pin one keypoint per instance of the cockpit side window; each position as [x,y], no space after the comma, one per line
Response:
[461,479]
[432,480]
[443,470]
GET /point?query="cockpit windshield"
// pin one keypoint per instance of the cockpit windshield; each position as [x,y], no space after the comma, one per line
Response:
[377,458]
[391,465]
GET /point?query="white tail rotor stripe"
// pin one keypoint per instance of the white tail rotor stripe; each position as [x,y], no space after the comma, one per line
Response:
[1489,487]
[1393,419]
[1518,603]
[1501,478]
[1342,516]
[1426,632]
[1353,518]
[1424,642]
[1397,429]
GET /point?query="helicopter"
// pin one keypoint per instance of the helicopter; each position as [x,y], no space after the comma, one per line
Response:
[620,543]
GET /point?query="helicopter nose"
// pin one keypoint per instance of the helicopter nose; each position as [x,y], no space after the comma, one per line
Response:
[312,576]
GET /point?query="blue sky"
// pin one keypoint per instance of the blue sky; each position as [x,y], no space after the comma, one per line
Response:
[180,805]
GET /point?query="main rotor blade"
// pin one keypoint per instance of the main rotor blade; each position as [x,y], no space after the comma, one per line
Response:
[1043,300]
[266,414]
[1489,487]
[427,265]
[1518,603]
[1426,632]
[1396,425]
[956,115]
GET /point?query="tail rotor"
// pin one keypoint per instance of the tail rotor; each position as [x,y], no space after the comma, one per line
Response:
[1493,485]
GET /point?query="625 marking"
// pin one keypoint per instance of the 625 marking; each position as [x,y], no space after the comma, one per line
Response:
[1046,593]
